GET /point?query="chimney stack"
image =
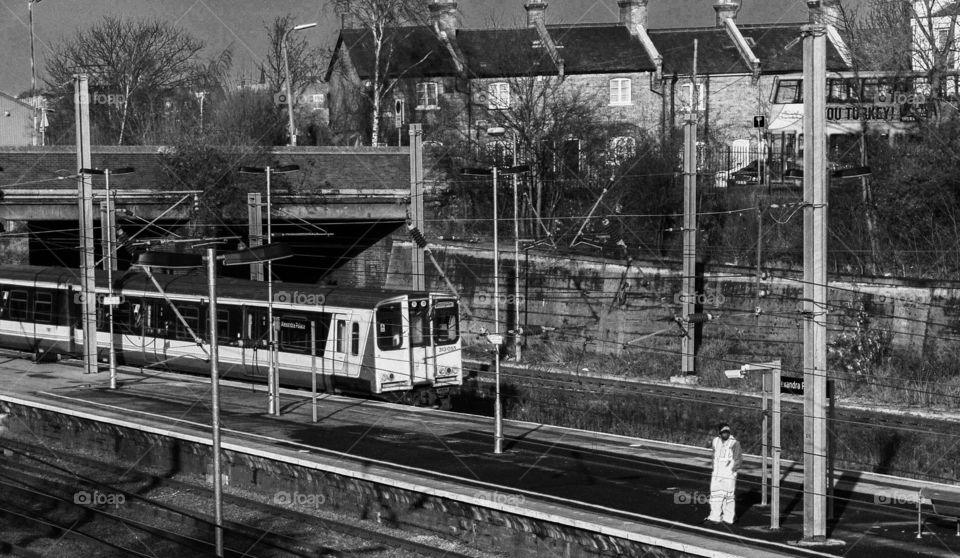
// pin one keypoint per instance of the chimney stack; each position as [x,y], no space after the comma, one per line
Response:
[536,11]
[633,12]
[445,15]
[830,12]
[726,9]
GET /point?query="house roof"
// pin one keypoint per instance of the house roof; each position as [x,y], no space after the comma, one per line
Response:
[15,100]
[585,49]
[778,47]
[416,51]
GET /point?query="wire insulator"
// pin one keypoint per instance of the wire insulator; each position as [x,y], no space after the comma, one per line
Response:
[417,236]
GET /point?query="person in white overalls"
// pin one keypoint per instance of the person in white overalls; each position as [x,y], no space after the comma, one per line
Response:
[723,482]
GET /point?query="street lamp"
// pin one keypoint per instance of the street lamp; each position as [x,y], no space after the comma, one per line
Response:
[286,69]
[273,386]
[109,260]
[179,260]
[517,330]
[496,338]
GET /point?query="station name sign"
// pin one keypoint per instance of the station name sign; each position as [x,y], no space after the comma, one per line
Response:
[794,386]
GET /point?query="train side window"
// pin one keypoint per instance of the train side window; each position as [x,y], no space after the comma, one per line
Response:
[355,339]
[389,327]
[43,307]
[191,315]
[18,305]
[226,325]
[340,334]
[294,334]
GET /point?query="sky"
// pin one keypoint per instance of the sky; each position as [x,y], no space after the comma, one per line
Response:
[240,24]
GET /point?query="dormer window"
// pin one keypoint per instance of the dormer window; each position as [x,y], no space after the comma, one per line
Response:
[620,91]
[498,96]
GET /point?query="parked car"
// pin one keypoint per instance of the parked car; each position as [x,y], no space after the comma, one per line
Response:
[740,175]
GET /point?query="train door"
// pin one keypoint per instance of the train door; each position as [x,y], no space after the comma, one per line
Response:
[422,366]
[255,355]
[344,345]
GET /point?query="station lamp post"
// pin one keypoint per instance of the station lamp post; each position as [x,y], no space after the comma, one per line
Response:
[272,382]
[496,338]
[286,70]
[178,260]
[110,258]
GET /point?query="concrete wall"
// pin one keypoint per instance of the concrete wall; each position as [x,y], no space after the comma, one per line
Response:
[603,304]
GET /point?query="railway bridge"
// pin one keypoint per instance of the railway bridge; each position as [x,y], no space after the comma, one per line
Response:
[341,201]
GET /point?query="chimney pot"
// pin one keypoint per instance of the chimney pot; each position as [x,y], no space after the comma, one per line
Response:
[536,11]
[726,9]
[445,15]
[633,12]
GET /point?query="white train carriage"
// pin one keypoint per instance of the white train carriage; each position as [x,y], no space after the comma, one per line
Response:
[395,344]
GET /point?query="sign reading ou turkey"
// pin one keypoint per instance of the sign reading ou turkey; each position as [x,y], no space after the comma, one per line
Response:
[886,108]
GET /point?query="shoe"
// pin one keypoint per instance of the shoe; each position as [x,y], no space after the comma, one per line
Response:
[709,521]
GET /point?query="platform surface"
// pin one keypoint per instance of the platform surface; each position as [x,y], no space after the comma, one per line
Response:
[650,489]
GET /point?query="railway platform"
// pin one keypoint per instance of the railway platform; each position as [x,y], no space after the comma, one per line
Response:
[626,492]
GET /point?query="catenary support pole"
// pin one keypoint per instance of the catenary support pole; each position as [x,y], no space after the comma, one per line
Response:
[88,303]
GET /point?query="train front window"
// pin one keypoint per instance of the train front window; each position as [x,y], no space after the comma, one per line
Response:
[390,327]
[789,91]
[446,322]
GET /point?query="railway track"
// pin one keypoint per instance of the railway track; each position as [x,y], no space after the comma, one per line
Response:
[46,494]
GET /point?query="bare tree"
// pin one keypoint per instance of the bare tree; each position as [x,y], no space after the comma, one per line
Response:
[935,40]
[387,25]
[306,63]
[561,133]
[132,63]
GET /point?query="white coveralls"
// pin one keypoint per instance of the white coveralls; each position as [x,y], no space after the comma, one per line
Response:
[723,482]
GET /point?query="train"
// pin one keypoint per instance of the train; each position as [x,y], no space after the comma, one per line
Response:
[395,345]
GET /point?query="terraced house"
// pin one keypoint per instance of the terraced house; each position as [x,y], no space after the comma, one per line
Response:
[578,86]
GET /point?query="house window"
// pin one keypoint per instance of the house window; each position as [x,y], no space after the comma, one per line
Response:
[686,97]
[620,149]
[427,94]
[498,96]
[620,91]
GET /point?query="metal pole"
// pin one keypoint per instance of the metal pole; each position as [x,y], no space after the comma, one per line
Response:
[815,285]
[764,463]
[517,330]
[688,343]
[255,231]
[497,409]
[85,198]
[272,380]
[109,260]
[756,308]
[416,203]
[313,365]
[775,477]
[286,69]
[215,395]
[33,77]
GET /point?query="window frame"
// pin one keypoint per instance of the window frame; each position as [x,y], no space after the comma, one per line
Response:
[686,96]
[620,101]
[498,100]
[423,95]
